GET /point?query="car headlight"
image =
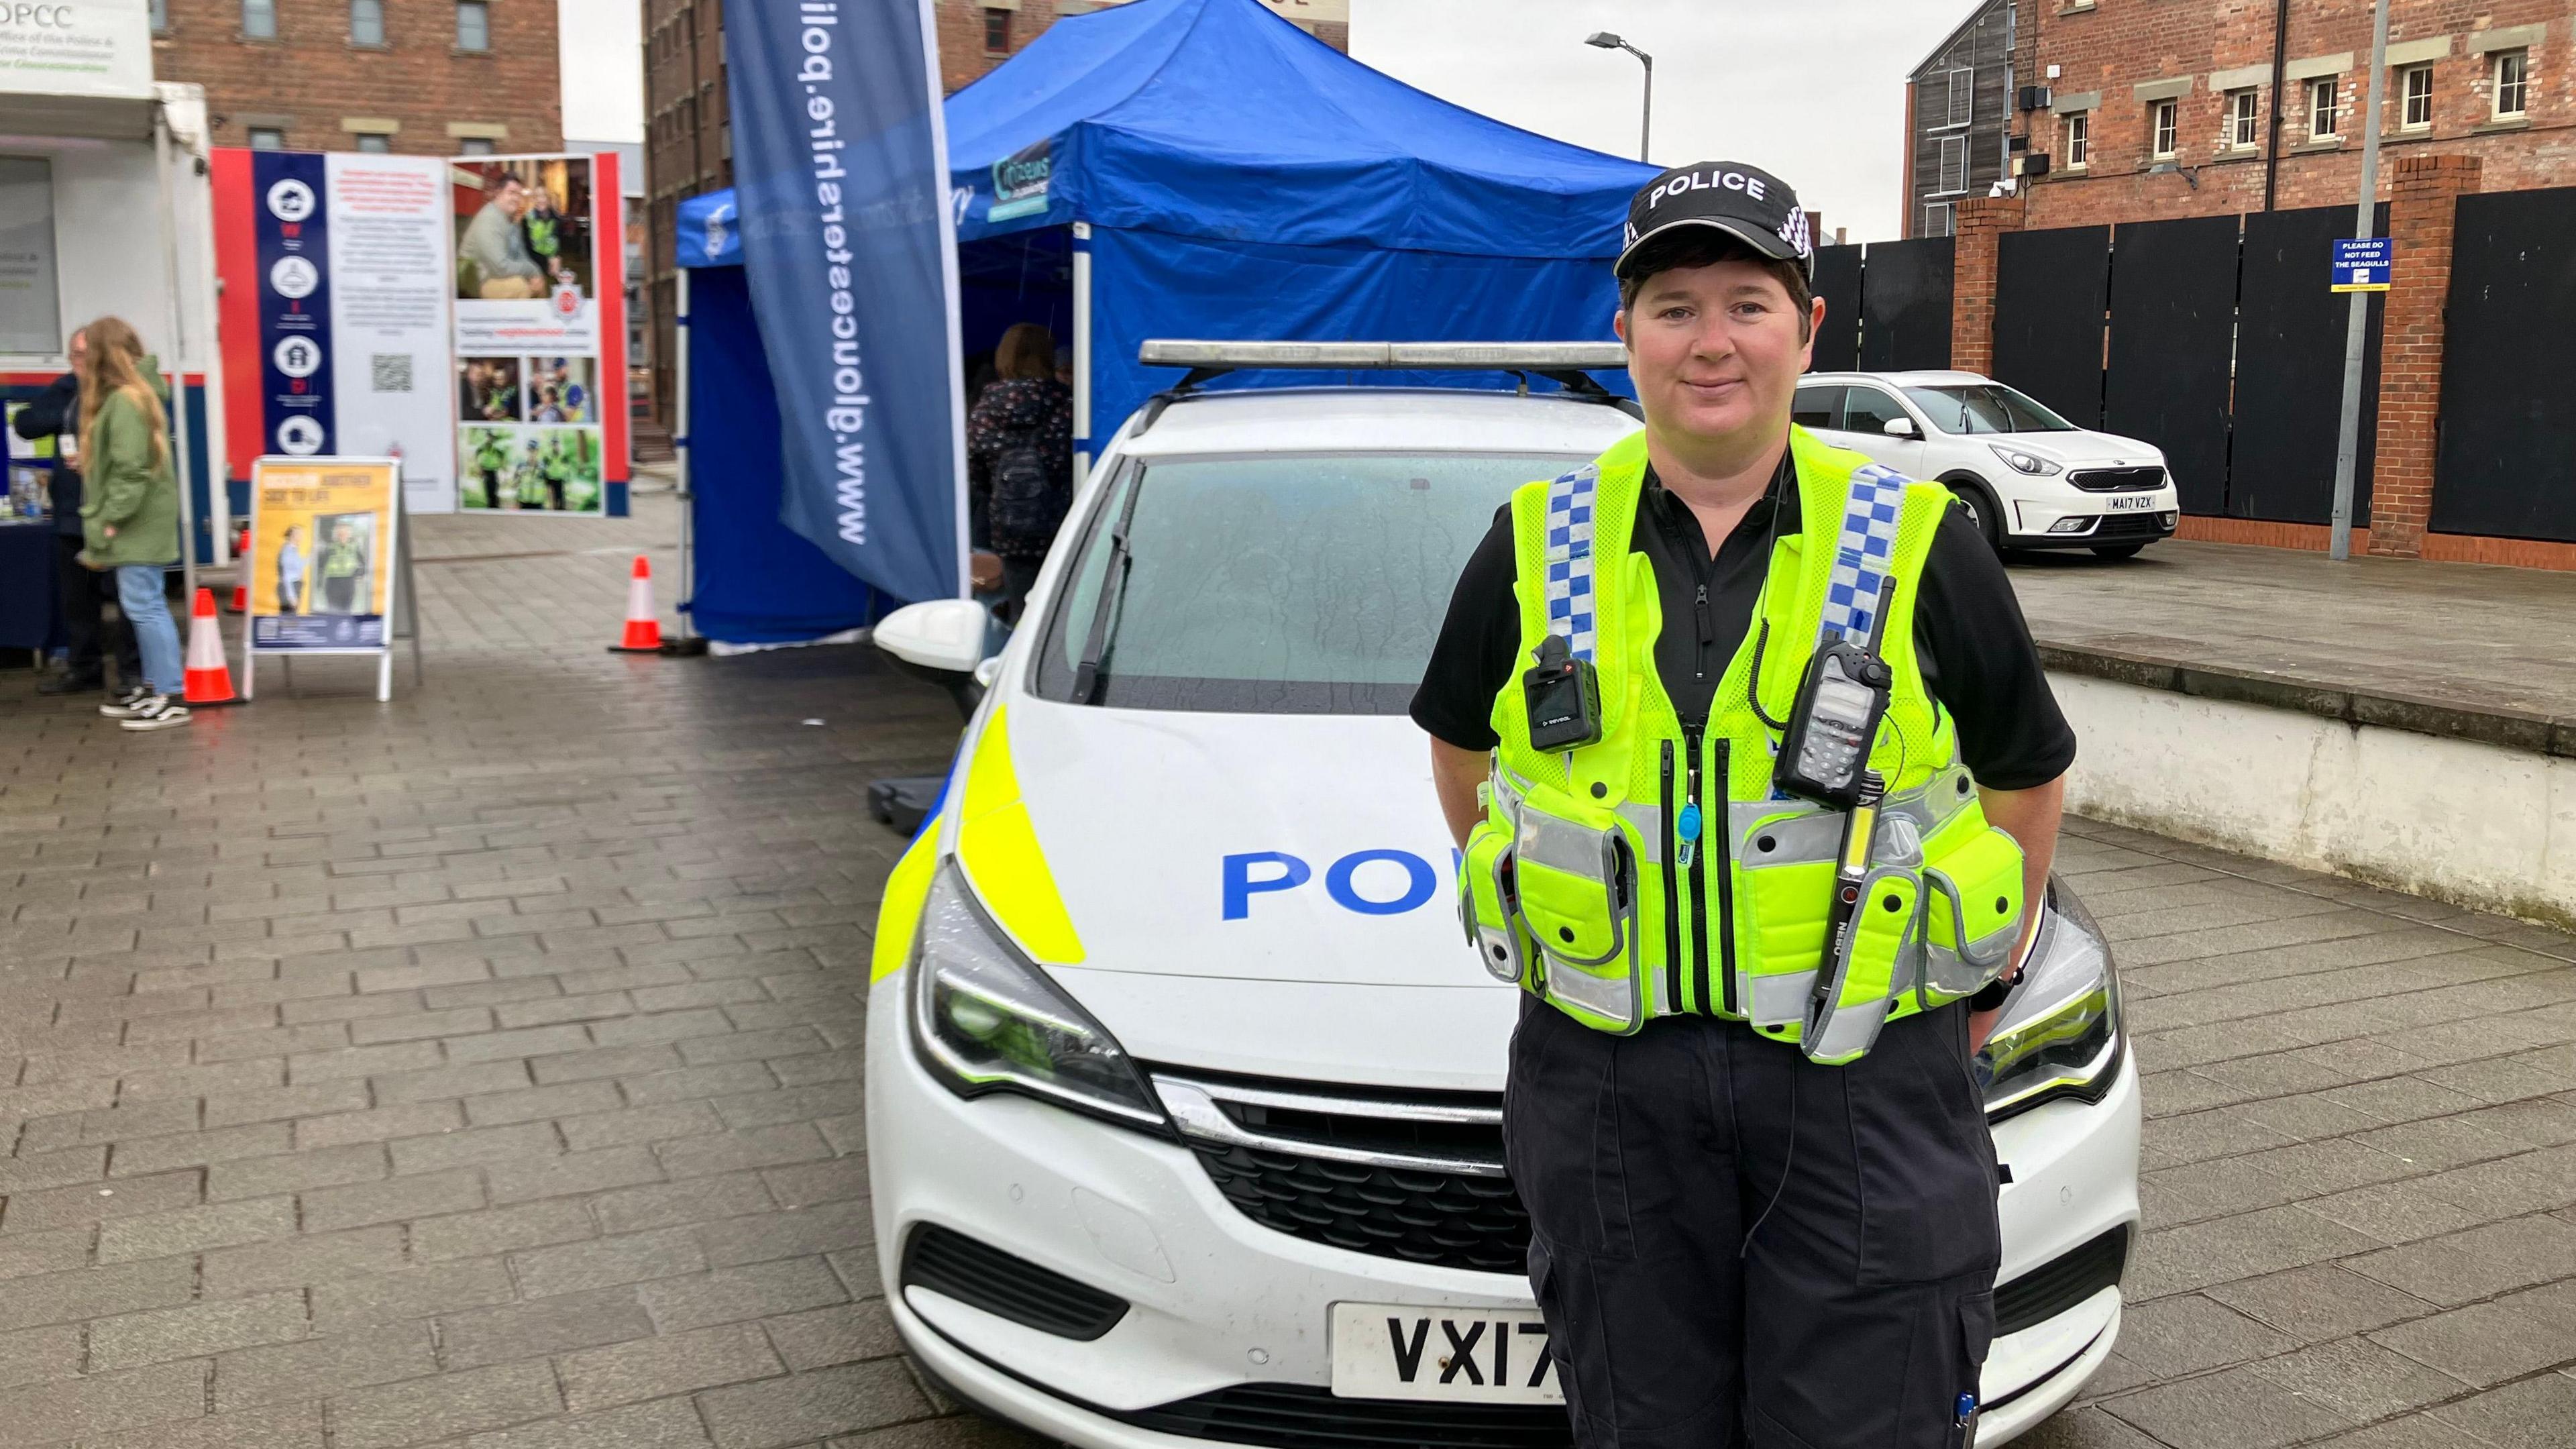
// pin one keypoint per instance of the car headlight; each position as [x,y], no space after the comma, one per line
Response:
[2059,1034]
[986,1020]
[2021,462]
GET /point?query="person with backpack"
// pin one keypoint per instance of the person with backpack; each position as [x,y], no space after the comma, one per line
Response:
[1019,448]
[130,510]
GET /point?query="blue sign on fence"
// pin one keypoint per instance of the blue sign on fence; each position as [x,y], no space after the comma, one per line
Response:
[2362,264]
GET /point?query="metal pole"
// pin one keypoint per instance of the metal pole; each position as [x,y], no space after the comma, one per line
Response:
[1646,128]
[1081,351]
[178,356]
[680,454]
[2357,329]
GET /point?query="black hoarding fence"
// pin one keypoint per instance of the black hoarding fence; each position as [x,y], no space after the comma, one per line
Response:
[2051,291]
[2289,371]
[1838,273]
[2172,341]
[2508,423]
[1905,305]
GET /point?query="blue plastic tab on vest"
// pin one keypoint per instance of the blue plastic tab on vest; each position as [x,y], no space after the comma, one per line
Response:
[1865,553]
[1568,583]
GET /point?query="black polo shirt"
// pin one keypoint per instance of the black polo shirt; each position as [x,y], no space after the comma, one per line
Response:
[1974,647]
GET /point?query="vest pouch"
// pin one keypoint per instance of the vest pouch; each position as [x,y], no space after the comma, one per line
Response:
[1486,905]
[1973,892]
[1847,1026]
[1574,883]
[1785,853]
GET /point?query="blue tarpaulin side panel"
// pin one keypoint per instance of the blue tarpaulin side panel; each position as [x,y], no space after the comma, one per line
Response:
[1219,119]
[1148,284]
[757,581]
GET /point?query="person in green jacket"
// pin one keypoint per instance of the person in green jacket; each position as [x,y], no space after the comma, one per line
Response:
[130,510]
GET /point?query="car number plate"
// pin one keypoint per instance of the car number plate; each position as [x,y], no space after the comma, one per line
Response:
[1466,1355]
[2139,503]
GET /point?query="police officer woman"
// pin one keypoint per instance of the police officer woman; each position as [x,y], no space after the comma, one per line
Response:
[1740,1107]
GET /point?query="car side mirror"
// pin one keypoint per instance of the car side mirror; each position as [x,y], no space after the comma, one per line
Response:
[1899,428]
[943,634]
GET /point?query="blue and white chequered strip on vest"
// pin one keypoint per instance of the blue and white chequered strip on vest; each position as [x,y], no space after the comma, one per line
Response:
[1569,558]
[1865,553]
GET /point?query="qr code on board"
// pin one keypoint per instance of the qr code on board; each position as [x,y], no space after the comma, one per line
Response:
[391,371]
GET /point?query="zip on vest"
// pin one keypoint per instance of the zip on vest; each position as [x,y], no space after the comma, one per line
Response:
[1699,873]
[1672,895]
[1725,888]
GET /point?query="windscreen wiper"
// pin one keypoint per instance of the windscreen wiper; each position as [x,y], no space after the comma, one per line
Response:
[1113,596]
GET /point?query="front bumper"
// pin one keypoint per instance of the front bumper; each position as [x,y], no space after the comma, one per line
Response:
[2094,524]
[1217,1302]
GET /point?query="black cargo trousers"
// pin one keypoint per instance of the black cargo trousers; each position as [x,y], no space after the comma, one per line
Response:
[1857,1312]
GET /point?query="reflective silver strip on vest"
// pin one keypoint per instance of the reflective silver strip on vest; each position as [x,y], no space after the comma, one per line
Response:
[1864,554]
[1844,1031]
[1561,845]
[1567,576]
[1779,1000]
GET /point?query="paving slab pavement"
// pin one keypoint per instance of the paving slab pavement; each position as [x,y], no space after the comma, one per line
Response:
[480,1071]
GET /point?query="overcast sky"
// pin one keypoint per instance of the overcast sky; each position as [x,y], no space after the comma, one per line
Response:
[1813,90]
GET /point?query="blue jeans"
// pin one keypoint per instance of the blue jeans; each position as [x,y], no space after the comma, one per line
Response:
[138,593]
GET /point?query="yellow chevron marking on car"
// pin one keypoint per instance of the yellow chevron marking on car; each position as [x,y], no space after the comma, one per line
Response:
[899,913]
[999,848]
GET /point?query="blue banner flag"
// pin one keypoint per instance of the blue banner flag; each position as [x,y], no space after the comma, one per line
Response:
[841,180]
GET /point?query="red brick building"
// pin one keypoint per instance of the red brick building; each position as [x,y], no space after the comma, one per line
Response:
[688,137]
[368,75]
[2159,108]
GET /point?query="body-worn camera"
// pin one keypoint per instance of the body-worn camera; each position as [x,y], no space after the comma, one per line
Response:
[1561,694]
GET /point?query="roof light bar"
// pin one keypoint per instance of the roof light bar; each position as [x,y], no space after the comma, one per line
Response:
[1409,356]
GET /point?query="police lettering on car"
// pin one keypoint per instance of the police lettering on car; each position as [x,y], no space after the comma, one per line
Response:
[1756,777]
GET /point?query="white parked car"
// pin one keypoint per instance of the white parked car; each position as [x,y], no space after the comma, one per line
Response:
[1183,1086]
[2030,478]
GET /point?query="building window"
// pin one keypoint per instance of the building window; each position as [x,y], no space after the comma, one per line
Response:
[366,22]
[31,318]
[1962,97]
[2079,140]
[259,19]
[2164,126]
[2244,118]
[2415,89]
[375,143]
[267,138]
[473,25]
[475,146]
[997,32]
[1953,175]
[2512,83]
[160,13]
[1938,219]
[2325,108]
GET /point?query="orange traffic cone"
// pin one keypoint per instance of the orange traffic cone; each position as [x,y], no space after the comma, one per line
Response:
[210,680]
[241,598]
[643,629]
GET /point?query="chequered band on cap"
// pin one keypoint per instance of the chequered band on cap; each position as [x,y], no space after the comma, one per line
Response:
[1568,582]
[1864,554]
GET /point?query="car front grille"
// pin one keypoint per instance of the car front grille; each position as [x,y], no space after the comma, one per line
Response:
[2117,480]
[1397,1175]
[2130,527]
[2062,1282]
[1297,1416]
[1007,1286]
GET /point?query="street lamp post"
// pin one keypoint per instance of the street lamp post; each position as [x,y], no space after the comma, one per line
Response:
[1604,40]
[2348,437]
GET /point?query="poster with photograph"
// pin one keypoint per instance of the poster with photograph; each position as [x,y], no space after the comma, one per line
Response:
[533,303]
[321,554]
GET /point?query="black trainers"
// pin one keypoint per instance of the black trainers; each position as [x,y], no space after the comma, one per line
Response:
[156,712]
[122,704]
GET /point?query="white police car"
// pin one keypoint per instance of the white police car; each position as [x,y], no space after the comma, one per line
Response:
[1183,1088]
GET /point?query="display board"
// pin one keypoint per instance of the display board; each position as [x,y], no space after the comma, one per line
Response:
[540,372]
[352,304]
[327,564]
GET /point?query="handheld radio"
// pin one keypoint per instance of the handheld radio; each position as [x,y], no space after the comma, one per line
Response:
[1561,694]
[1825,749]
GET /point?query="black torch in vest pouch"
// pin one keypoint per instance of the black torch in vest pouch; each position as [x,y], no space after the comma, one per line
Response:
[1561,695]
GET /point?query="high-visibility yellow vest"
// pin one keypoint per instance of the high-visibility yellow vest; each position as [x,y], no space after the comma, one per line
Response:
[1578,883]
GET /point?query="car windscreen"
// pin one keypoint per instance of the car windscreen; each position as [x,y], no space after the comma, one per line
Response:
[1985,408]
[1285,583]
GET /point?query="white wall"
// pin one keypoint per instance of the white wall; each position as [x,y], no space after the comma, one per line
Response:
[2474,824]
